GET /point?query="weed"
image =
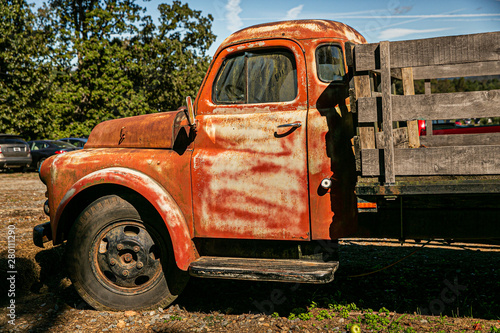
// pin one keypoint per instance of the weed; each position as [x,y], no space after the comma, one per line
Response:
[305,316]
[442,319]
[323,314]
[175,317]
[299,313]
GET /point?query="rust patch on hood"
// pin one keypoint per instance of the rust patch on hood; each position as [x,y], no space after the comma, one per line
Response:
[146,131]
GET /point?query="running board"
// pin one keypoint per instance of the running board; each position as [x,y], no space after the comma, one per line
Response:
[282,270]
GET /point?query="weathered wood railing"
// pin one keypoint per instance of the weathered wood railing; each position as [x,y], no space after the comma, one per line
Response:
[389,152]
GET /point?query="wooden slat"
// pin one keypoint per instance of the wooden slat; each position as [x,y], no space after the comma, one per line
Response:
[471,160]
[362,89]
[432,51]
[461,140]
[400,136]
[362,86]
[367,137]
[458,70]
[472,104]
[409,89]
[428,123]
[386,87]
[349,54]
[367,57]
[370,162]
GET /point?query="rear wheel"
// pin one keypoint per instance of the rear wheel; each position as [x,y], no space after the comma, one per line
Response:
[39,163]
[117,262]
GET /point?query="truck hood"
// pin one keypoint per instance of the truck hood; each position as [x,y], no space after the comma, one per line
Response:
[157,130]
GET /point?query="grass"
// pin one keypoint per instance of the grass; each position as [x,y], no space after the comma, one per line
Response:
[383,320]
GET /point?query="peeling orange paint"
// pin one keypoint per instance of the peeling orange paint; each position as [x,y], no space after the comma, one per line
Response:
[237,174]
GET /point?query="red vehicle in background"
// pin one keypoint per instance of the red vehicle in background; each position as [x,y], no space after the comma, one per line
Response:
[469,126]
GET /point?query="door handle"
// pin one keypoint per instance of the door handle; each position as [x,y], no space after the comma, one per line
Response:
[296,124]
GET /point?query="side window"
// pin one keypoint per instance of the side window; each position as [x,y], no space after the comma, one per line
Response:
[231,81]
[261,77]
[330,63]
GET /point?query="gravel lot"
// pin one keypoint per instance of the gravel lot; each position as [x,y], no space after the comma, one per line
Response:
[440,288]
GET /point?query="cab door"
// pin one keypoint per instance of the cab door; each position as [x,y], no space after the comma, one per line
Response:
[249,167]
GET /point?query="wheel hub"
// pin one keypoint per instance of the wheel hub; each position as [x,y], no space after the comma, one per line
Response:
[125,258]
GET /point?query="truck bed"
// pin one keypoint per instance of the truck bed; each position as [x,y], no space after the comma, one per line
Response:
[392,158]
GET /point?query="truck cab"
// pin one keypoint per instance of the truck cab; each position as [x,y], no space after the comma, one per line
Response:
[235,192]
[272,124]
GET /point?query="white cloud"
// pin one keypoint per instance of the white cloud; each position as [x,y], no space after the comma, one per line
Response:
[399,32]
[293,13]
[233,11]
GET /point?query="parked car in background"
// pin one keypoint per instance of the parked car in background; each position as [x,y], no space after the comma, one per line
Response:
[452,126]
[14,152]
[77,142]
[41,149]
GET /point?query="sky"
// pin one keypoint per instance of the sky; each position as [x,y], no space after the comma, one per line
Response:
[375,20]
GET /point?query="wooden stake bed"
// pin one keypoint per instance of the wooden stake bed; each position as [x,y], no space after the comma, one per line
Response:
[388,151]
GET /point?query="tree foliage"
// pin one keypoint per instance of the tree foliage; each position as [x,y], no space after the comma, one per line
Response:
[107,59]
[25,76]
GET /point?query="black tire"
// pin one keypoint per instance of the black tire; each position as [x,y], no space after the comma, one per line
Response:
[114,262]
[39,164]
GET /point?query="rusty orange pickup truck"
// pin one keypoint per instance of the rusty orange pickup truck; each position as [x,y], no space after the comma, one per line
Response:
[295,140]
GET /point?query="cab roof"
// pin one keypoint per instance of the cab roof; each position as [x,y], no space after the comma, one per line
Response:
[297,29]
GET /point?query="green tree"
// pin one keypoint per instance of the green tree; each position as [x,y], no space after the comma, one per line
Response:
[25,73]
[172,56]
[91,54]
[113,61]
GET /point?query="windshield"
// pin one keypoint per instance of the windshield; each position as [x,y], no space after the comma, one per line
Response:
[63,144]
[14,140]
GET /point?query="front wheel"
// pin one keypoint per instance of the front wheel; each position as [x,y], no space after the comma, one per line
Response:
[117,262]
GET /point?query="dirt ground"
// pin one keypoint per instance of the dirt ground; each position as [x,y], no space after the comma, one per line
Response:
[440,288]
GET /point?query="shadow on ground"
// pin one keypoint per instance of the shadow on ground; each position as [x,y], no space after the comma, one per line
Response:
[453,282]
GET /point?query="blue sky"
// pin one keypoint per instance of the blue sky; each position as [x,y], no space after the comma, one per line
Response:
[376,20]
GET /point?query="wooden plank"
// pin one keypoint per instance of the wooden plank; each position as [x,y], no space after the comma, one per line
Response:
[365,56]
[362,86]
[407,78]
[409,89]
[367,137]
[472,184]
[357,152]
[428,123]
[432,51]
[400,136]
[461,140]
[471,104]
[362,89]
[349,54]
[458,70]
[370,162]
[457,160]
[386,86]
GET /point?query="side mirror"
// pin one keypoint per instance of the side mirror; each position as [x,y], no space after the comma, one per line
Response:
[190,112]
